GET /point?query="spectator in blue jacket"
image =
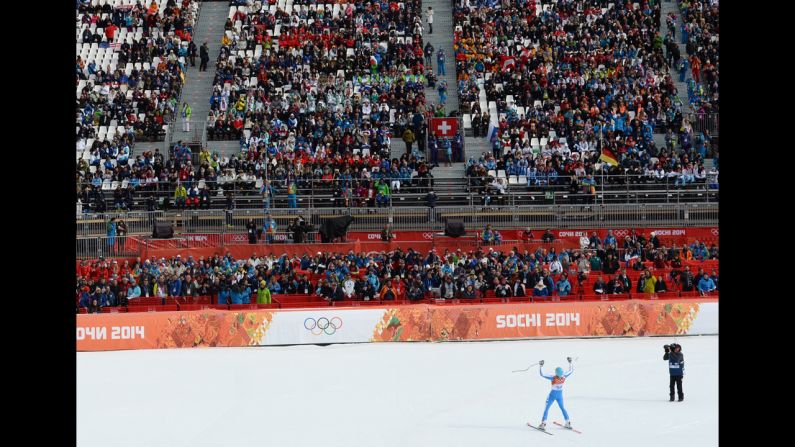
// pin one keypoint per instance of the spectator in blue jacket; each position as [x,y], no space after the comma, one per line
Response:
[175,286]
[540,289]
[105,297]
[706,285]
[442,89]
[111,233]
[448,149]
[274,286]
[224,291]
[548,281]
[245,293]
[133,290]
[700,252]
[610,239]
[86,296]
[563,286]
[432,150]
[97,297]
[487,235]
[235,294]
[372,278]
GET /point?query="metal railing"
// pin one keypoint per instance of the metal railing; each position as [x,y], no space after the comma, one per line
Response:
[94,247]
[423,218]
[409,185]
[196,135]
[706,123]
[138,222]
[317,193]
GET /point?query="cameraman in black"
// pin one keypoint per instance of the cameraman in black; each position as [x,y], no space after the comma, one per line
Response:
[251,229]
[298,229]
[386,234]
[676,367]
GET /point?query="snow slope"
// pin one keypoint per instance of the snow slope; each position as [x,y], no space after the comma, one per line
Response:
[396,394]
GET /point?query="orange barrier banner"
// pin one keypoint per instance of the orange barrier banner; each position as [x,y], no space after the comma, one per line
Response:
[579,319]
[422,322]
[148,330]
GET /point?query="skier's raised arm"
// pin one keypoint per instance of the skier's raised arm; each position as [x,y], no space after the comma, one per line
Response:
[571,367]
[541,373]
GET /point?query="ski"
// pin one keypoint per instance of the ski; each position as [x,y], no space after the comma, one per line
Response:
[542,431]
[572,429]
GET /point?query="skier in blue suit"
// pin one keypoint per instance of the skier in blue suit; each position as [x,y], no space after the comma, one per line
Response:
[556,394]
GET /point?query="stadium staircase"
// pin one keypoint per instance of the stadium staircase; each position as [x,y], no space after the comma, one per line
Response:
[199,84]
[442,37]
[681,87]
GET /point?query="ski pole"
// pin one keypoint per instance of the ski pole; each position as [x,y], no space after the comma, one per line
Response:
[523,370]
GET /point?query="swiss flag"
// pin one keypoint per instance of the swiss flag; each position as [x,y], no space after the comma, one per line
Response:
[444,127]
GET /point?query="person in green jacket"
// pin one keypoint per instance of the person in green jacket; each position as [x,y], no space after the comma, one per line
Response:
[596,263]
[383,193]
[263,293]
[186,113]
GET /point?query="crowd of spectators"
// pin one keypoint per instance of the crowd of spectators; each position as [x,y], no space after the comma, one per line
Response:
[401,275]
[572,81]
[318,92]
[129,70]
[318,80]
[700,34]
[351,179]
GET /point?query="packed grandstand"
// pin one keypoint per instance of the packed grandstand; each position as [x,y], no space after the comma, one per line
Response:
[579,149]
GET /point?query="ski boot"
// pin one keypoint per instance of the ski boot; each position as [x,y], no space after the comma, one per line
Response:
[543,425]
[681,398]
[671,399]
[568,424]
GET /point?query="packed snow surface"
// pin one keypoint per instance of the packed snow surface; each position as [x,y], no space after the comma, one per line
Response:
[397,394]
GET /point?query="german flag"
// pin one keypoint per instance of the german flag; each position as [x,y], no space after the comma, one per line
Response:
[608,157]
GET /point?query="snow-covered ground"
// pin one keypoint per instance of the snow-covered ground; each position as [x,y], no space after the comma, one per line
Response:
[396,394]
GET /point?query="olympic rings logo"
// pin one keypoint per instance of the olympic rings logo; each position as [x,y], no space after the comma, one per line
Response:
[620,233]
[427,235]
[714,231]
[323,325]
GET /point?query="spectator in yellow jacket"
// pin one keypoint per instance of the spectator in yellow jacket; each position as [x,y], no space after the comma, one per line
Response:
[204,156]
[650,283]
[180,196]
